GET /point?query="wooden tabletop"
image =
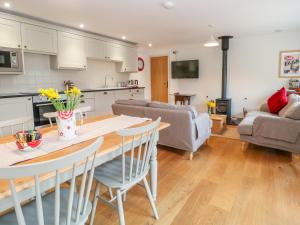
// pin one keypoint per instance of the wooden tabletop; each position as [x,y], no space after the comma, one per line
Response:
[112,142]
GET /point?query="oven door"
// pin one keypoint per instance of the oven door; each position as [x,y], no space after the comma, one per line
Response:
[38,111]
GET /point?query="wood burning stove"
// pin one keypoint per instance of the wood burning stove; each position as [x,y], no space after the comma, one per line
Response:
[223,104]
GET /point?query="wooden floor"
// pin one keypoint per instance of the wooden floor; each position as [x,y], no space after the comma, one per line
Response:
[222,185]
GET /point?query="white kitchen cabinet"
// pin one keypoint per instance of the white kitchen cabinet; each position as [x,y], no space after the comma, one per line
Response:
[103,102]
[88,99]
[71,52]
[95,49]
[38,39]
[123,94]
[10,33]
[129,60]
[114,52]
[137,93]
[12,108]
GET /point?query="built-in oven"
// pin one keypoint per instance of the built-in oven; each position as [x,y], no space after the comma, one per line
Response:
[40,106]
[11,61]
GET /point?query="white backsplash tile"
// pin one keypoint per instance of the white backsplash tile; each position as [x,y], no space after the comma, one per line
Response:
[39,74]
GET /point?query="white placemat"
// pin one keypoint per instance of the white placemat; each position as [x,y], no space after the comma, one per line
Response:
[10,154]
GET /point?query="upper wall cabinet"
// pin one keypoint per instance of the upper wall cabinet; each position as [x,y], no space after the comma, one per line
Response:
[95,49]
[114,52]
[71,52]
[129,61]
[10,33]
[39,39]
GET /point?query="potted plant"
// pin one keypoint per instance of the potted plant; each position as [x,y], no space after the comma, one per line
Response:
[66,120]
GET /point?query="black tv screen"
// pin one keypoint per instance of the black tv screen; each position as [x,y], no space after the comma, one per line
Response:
[185,69]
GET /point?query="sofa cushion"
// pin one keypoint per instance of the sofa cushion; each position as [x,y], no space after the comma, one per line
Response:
[132,102]
[277,101]
[189,108]
[292,98]
[246,126]
[161,105]
[294,111]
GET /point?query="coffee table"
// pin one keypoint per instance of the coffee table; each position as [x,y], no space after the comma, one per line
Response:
[219,123]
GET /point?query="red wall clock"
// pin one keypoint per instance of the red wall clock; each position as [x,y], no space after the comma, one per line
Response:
[141,64]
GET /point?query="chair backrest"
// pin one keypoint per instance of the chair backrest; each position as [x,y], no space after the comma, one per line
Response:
[84,159]
[81,111]
[14,122]
[139,137]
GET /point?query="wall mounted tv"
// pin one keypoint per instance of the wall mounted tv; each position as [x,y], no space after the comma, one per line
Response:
[185,69]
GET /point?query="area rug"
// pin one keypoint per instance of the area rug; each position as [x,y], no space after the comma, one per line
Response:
[230,132]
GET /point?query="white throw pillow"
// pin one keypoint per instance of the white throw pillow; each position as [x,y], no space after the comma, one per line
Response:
[294,111]
[291,100]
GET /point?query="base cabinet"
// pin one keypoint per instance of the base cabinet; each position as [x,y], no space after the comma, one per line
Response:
[105,99]
[12,108]
[103,102]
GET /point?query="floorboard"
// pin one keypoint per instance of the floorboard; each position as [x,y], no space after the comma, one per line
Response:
[221,185]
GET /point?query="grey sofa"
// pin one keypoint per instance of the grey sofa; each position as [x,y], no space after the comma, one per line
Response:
[188,130]
[280,131]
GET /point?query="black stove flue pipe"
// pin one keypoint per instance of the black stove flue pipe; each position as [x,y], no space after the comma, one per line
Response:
[225,47]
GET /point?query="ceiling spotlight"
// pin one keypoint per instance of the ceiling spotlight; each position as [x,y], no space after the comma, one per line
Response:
[81,25]
[124,37]
[211,42]
[6,4]
[150,45]
[168,5]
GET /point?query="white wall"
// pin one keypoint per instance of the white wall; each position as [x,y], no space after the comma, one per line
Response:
[252,69]
[39,74]
[143,77]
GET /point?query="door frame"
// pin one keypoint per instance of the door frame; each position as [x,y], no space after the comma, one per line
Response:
[168,66]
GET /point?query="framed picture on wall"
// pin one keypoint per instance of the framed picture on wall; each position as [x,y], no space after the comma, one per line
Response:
[289,65]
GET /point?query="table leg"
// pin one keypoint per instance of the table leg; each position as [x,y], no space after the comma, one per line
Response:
[153,173]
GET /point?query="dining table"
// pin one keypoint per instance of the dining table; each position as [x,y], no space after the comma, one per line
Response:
[110,149]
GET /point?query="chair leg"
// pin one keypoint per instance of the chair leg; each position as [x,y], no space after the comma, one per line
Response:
[152,203]
[110,193]
[120,208]
[124,196]
[96,196]
[189,155]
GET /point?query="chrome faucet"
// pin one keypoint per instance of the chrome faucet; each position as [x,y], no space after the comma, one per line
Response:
[105,83]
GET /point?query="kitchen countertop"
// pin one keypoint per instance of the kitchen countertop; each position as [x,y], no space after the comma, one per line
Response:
[29,94]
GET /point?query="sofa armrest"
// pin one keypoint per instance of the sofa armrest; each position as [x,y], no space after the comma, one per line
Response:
[203,126]
[277,128]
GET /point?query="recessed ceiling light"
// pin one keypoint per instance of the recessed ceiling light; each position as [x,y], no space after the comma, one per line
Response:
[168,5]
[124,37]
[6,4]
[150,45]
[81,25]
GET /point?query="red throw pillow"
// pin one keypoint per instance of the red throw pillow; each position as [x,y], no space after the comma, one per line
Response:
[277,101]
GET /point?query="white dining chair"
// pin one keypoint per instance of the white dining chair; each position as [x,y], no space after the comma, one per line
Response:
[124,172]
[64,206]
[82,112]
[12,124]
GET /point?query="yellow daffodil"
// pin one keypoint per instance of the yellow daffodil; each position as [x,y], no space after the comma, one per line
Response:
[76,91]
[72,101]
